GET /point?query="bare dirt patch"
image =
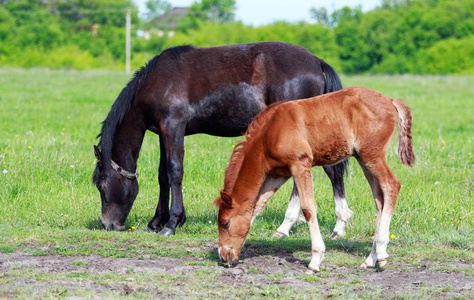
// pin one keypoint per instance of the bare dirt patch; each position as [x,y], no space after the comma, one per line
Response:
[279,275]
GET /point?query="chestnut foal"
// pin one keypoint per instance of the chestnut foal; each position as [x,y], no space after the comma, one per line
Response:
[288,138]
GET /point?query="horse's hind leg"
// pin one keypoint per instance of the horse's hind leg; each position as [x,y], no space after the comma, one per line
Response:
[385,188]
[342,210]
[292,215]
[162,214]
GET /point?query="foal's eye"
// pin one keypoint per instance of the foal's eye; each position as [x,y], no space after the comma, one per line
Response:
[225,225]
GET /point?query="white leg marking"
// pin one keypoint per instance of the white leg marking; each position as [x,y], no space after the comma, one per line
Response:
[317,245]
[379,248]
[291,216]
[268,189]
[382,236]
[343,216]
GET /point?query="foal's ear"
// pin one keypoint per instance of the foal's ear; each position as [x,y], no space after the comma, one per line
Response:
[98,155]
[226,199]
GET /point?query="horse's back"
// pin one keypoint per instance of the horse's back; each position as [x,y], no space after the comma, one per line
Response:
[219,90]
[210,68]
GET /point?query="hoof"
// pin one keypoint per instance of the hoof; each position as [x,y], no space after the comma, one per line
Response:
[366,266]
[335,235]
[279,235]
[166,232]
[311,271]
[382,262]
[149,229]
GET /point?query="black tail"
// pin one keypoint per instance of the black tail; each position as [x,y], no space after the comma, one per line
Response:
[333,82]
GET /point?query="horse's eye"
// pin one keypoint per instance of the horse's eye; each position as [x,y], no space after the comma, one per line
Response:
[225,225]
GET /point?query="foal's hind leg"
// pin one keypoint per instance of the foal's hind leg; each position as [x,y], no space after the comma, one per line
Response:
[385,188]
[342,210]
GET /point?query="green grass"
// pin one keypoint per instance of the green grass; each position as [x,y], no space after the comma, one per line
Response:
[48,205]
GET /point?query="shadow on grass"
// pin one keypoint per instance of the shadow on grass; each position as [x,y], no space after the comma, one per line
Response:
[95,224]
[286,249]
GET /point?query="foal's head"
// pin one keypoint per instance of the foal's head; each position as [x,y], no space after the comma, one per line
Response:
[118,190]
[234,224]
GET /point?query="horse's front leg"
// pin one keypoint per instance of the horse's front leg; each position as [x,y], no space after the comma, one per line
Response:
[162,214]
[173,139]
[341,209]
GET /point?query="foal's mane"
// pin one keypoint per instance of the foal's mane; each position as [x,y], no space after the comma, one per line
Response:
[237,157]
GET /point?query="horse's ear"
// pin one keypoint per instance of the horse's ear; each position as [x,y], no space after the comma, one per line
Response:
[226,199]
[98,155]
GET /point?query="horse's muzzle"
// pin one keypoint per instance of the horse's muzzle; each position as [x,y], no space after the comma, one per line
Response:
[113,226]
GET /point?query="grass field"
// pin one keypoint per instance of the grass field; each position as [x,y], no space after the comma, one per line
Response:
[48,205]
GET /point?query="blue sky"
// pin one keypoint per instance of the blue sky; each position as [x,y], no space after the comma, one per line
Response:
[260,12]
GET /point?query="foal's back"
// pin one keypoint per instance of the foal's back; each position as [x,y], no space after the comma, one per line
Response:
[331,127]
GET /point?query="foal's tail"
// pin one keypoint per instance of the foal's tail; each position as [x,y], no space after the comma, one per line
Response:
[405,146]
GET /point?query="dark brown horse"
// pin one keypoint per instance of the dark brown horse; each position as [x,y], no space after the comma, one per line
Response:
[187,90]
[288,139]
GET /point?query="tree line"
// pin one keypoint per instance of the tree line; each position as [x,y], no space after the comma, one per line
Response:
[399,36]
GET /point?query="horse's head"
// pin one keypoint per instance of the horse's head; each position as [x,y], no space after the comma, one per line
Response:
[118,190]
[234,222]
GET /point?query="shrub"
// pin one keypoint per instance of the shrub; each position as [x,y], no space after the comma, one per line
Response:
[448,56]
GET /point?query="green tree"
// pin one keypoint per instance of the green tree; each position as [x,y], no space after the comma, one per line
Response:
[349,35]
[320,15]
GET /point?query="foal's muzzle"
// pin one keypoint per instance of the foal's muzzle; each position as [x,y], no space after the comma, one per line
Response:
[227,257]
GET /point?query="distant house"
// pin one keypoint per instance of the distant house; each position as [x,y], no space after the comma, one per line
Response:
[167,23]
[170,19]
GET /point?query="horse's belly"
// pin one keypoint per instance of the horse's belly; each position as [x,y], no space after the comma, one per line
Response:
[226,112]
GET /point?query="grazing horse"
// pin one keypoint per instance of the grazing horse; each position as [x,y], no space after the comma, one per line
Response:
[289,138]
[187,90]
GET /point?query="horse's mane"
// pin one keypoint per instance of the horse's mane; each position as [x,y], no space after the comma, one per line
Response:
[237,157]
[176,52]
[121,107]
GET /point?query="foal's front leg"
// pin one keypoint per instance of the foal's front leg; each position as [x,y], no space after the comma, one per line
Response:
[304,183]
[342,211]
[292,215]
[269,188]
